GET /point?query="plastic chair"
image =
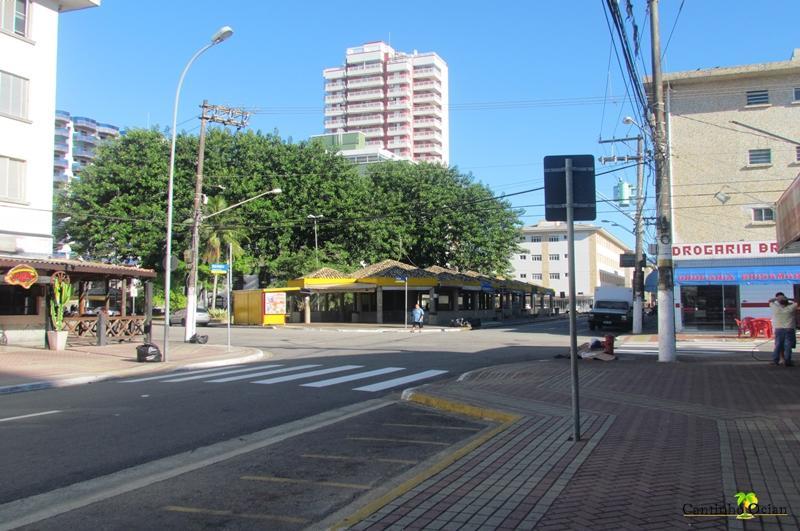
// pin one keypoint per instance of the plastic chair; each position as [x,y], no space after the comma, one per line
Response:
[744,328]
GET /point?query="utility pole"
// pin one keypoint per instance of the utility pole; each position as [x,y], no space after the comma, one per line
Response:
[226,116]
[638,271]
[666,292]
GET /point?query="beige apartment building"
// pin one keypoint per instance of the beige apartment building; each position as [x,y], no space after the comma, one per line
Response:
[734,147]
[542,259]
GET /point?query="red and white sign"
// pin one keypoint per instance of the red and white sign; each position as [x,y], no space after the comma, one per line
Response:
[706,250]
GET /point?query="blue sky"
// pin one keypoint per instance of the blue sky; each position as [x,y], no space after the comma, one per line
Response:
[527,78]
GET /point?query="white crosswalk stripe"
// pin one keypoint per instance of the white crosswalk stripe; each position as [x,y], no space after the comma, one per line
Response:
[351,377]
[254,375]
[309,374]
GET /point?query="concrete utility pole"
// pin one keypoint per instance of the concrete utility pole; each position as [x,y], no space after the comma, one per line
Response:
[666,294]
[225,116]
[638,271]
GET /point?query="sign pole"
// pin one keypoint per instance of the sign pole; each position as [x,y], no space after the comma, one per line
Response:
[405,317]
[229,301]
[573,329]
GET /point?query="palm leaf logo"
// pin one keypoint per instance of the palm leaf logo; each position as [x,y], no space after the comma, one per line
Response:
[746,500]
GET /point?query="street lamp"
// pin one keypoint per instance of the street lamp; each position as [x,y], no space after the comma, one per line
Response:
[221,34]
[615,224]
[316,246]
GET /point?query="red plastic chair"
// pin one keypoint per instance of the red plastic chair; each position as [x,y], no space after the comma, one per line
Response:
[744,328]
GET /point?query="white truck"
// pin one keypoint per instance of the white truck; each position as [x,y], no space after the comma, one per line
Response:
[613,307]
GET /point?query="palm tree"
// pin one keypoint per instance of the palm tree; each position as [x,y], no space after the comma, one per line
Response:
[216,237]
[746,500]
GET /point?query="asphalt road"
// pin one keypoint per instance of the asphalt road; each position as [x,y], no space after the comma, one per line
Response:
[95,430]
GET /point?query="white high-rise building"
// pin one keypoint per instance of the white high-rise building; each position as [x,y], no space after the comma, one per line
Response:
[76,139]
[398,100]
[28,50]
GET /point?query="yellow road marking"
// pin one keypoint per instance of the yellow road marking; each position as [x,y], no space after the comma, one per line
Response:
[348,458]
[412,441]
[462,428]
[275,479]
[251,516]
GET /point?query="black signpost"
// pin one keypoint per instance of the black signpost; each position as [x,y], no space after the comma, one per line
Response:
[569,195]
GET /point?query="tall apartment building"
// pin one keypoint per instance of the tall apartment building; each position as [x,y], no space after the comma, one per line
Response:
[28,46]
[733,137]
[543,259]
[76,139]
[398,100]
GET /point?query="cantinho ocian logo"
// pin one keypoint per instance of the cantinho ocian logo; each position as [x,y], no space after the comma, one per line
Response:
[746,508]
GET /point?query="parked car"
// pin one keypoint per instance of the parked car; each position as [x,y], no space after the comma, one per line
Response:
[202,318]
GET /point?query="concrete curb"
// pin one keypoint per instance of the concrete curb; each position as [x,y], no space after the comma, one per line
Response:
[451,406]
[82,380]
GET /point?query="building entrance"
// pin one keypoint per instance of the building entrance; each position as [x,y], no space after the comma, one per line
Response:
[714,307]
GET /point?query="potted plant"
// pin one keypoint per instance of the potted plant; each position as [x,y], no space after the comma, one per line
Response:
[62,293]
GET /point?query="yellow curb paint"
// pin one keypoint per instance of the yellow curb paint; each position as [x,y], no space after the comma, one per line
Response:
[361,459]
[250,516]
[404,441]
[459,428]
[274,479]
[507,420]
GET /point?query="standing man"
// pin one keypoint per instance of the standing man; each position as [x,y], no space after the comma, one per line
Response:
[417,314]
[783,323]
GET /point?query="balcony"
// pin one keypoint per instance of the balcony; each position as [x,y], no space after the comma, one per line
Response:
[107,131]
[402,105]
[428,85]
[398,117]
[372,68]
[363,82]
[401,78]
[83,153]
[403,142]
[429,158]
[62,132]
[373,132]
[334,87]
[364,95]
[76,168]
[402,90]
[60,163]
[427,134]
[334,124]
[60,178]
[428,123]
[426,97]
[86,124]
[335,98]
[429,148]
[368,119]
[427,110]
[427,72]
[86,139]
[375,143]
[61,147]
[337,110]
[333,73]
[398,66]
[373,106]
[63,117]
[400,130]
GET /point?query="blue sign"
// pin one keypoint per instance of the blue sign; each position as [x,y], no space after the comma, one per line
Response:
[703,276]
[400,279]
[219,269]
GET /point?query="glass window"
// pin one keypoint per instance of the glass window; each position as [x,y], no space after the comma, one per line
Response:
[523,275]
[757,97]
[552,239]
[536,276]
[523,257]
[536,239]
[555,276]
[16,300]
[797,94]
[759,156]
[797,153]
[14,16]
[12,179]
[763,214]
[13,95]
[555,257]
[536,257]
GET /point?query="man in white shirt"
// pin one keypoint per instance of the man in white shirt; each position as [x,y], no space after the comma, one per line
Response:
[783,324]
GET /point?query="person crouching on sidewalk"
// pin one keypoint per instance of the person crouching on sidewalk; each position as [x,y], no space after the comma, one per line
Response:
[783,324]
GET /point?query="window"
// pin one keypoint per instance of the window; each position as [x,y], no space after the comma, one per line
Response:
[522,238]
[757,97]
[523,275]
[553,239]
[536,257]
[566,255]
[763,214]
[555,257]
[523,257]
[797,94]
[759,156]
[536,276]
[536,239]
[16,300]
[14,16]
[555,276]
[12,179]
[13,95]
[797,153]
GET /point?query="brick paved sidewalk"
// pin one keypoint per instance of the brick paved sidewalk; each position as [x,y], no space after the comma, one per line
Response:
[657,439]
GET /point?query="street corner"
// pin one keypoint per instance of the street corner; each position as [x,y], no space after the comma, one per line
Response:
[236,356]
[427,397]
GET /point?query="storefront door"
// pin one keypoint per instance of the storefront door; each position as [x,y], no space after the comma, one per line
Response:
[712,307]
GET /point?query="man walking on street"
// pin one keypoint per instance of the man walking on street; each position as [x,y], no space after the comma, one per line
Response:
[417,314]
[783,324]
